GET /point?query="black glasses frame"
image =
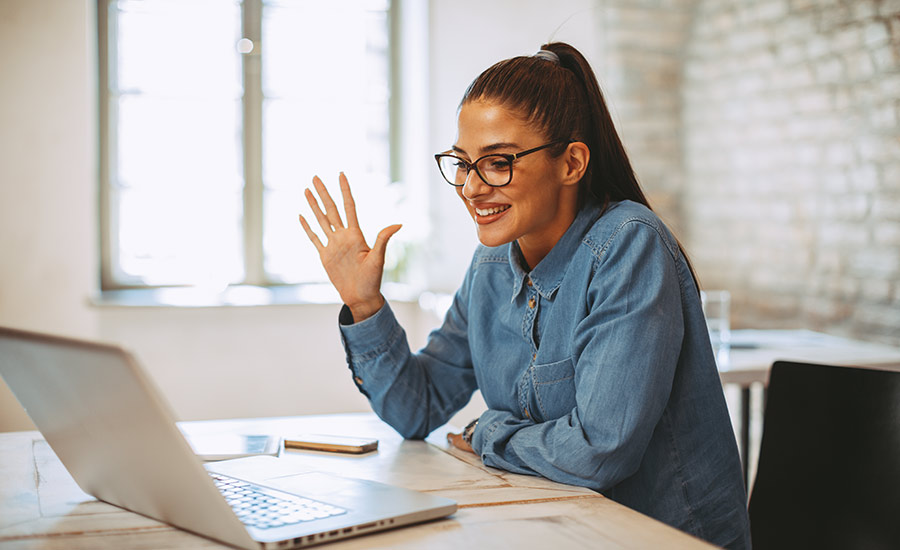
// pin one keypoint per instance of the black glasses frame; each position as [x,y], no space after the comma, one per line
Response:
[509,157]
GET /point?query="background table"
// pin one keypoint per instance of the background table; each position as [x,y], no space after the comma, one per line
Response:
[752,353]
[42,507]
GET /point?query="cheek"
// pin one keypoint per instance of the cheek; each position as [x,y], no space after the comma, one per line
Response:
[547,196]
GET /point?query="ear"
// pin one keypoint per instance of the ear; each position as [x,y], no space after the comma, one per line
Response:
[575,162]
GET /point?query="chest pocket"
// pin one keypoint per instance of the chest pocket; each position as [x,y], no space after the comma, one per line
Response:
[554,388]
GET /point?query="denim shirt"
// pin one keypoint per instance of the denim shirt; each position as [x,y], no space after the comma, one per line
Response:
[596,367]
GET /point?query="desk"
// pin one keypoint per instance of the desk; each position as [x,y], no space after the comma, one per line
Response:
[42,507]
[753,352]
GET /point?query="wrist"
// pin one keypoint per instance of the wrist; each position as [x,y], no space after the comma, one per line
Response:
[363,310]
[469,431]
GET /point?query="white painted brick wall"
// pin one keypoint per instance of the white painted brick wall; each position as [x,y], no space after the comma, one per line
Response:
[791,161]
[767,134]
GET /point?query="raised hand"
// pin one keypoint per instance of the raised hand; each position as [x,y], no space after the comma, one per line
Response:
[354,269]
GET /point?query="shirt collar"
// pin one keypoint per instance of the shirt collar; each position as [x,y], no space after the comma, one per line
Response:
[548,274]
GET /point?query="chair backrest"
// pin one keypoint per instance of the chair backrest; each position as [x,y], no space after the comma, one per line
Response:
[829,462]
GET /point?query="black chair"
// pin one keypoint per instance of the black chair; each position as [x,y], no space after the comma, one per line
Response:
[829,461]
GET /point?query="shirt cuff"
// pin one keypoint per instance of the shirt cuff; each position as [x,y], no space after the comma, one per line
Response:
[368,335]
[487,423]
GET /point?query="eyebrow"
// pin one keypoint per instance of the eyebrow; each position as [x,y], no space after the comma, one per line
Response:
[489,148]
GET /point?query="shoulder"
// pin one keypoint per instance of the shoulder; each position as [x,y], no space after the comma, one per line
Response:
[622,223]
[489,267]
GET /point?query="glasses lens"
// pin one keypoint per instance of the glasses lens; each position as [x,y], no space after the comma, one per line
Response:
[495,169]
[453,169]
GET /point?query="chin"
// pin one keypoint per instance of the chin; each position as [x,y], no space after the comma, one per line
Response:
[487,239]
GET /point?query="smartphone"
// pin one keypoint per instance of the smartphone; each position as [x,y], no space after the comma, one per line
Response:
[331,443]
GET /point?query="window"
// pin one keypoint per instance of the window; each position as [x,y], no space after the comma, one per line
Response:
[215,115]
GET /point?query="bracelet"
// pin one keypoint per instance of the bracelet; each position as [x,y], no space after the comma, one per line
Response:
[469,431]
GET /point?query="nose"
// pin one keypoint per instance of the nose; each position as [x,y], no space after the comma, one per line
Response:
[474,185]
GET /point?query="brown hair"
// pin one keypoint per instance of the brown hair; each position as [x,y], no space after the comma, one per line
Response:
[565,102]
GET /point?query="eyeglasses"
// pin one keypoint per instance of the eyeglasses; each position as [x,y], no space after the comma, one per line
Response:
[495,169]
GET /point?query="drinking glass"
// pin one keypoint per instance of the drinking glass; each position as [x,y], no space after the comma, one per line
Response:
[717,310]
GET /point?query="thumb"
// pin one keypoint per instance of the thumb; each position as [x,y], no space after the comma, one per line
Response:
[381,240]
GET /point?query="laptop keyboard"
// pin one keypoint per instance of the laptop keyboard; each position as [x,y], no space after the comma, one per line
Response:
[266,508]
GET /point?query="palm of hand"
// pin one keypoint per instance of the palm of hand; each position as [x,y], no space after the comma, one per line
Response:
[353,268]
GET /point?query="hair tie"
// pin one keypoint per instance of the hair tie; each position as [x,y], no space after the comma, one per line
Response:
[547,55]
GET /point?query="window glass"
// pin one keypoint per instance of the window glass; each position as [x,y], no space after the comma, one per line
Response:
[175,140]
[325,83]
[176,183]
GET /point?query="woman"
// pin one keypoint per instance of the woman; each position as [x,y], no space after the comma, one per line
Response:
[579,318]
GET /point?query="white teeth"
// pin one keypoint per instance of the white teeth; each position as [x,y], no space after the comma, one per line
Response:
[489,211]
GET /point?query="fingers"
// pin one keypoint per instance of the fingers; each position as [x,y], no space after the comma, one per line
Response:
[330,220]
[317,212]
[309,233]
[331,211]
[349,203]
[457,441]
[381,241]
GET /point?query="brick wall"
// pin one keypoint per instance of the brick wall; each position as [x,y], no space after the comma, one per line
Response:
[791,161]
[640,71]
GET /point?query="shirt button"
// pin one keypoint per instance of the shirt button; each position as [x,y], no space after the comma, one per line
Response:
[358,380]
[528,282]
[531,303]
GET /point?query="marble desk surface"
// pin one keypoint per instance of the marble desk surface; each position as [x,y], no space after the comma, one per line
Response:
[42,507]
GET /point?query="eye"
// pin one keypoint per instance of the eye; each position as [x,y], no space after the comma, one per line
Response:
[499,163]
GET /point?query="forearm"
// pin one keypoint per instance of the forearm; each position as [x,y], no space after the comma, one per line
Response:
[557,450]
[414,393]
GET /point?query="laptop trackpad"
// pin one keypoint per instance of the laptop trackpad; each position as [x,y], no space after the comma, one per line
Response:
[329,488]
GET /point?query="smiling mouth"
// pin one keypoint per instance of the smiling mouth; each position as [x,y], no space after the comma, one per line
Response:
[490,211]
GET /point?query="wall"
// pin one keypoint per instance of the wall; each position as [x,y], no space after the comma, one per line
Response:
[765,133]
[792,156]
[641,75]
[48,255]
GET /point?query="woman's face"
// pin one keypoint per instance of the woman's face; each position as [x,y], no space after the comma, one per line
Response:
[539,203]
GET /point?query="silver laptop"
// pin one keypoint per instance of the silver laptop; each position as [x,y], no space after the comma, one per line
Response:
[115,434]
